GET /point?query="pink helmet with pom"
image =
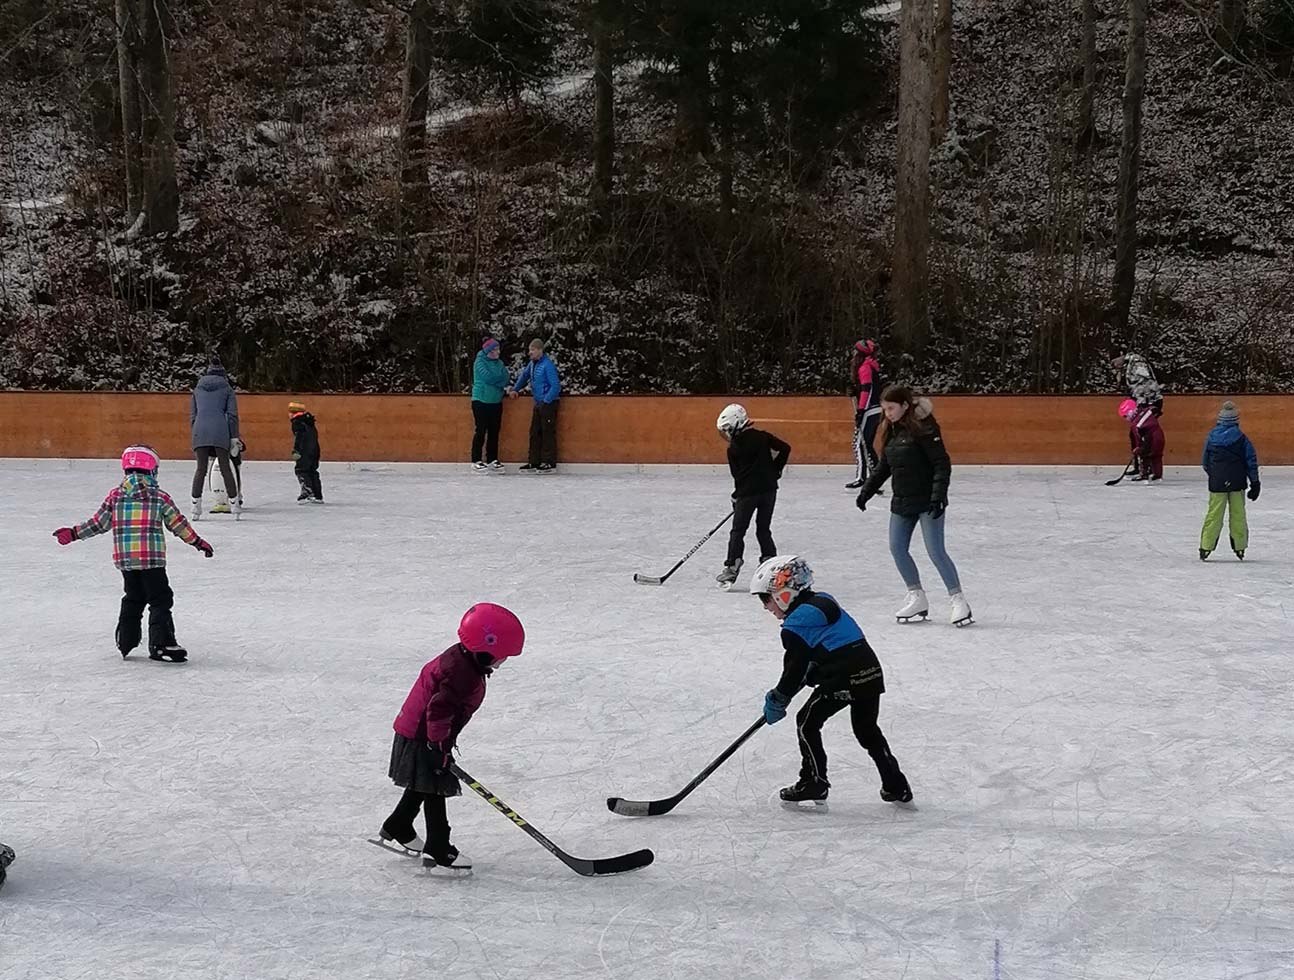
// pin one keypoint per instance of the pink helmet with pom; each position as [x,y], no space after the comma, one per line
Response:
[1127,408]
[490,628]
[140,458]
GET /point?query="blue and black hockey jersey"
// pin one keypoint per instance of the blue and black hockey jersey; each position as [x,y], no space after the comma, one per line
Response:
[824,647]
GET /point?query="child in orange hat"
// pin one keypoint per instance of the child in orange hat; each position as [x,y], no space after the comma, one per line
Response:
[305,451]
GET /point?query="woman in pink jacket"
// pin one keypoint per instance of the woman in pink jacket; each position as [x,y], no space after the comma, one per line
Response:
[442,701]
[865,385]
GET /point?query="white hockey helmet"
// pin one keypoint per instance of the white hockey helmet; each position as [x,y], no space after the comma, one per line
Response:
[732,420]
[782,577]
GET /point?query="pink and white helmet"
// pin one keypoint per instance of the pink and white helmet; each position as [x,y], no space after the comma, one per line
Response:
[1127,408]
[140,458]
[490,628]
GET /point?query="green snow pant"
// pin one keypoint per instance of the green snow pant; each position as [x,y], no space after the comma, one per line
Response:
[1218,504]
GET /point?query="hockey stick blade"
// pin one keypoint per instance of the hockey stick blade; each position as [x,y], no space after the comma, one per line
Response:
[654,808]
[1126,470]
[660,580]
[588,867]
[648,579]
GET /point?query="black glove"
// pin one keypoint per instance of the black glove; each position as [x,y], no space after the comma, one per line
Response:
[861,501]
[1255,489]
[442,756]
[937,508]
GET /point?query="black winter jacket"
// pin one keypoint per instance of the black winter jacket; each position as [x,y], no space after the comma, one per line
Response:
[756,459]
[305,438]
[919,464]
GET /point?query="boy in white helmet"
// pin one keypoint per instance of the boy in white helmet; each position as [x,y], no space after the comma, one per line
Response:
[825,650]
[756,460]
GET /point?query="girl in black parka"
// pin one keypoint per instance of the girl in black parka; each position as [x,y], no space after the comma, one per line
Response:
[913,453]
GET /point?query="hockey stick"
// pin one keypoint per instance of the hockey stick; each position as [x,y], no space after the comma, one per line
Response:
[653,808]
[581,866]
[1126,470]
[654,580]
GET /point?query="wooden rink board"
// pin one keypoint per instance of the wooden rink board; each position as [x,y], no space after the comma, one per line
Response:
[978,429]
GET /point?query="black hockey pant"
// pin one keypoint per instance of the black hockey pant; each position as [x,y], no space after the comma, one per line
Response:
[864,705]
[146,587]
[744,508]
[400,823]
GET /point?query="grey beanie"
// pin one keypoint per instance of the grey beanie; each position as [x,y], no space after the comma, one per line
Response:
[1229,412]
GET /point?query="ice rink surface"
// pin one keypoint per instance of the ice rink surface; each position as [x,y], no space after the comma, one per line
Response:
[1102,763]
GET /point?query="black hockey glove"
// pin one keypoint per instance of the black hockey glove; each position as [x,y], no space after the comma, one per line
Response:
[861,501]
[1255,489]
[442,756]
[937,508]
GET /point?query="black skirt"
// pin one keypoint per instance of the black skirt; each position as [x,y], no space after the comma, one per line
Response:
[413,768]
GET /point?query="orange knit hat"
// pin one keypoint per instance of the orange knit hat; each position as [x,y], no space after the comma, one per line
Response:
[296,408]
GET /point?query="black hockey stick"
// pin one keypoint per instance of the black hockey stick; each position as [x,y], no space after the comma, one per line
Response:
[654,580]
[581,866]
[1130,468]
[653,808]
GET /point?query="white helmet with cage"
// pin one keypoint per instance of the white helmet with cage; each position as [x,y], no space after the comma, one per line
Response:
[782,578]
[732,420]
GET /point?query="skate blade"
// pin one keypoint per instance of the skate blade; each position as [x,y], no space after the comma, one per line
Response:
[430,869]
[393,847]
[805,806]
[968,621]
[916,618]
[909,805]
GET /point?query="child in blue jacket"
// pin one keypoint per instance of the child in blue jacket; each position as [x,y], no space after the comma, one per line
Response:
[1231,463]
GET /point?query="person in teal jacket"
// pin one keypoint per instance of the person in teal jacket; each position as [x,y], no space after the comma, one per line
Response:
[541,375]
[489,382]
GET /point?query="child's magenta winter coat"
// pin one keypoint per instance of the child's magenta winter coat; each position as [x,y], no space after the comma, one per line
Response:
[443,699]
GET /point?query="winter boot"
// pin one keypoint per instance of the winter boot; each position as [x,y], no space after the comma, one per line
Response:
[961,610]
[1204,555]
[915,606]
[806,791]
[728,576]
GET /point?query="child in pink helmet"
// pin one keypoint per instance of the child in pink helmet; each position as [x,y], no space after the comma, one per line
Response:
[442,701]
[1146,438]
[136,512]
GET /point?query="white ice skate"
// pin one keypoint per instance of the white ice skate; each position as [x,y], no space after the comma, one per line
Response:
[196,515]
[478,467]
[236,505]
[412,848]
[961,610]
[915,606]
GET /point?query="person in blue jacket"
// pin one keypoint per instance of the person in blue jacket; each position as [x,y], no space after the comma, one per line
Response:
[541,375]
[1231,463]
[826,650]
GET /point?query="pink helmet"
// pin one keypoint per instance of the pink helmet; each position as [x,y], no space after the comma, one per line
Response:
[1127,408]
[140,458]
[490,628]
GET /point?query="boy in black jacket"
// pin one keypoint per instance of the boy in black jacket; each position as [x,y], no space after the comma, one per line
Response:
[756,459]
[305,450]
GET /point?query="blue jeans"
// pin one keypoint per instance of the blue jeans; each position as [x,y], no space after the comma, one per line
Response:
[901,528]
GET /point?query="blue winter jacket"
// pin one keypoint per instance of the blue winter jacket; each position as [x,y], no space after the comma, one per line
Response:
[213,411]
[541,375]
[1229,458]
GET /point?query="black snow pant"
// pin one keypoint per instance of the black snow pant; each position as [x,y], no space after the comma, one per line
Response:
[400,823]
[543,434]
[488,419]
[146,587]
[307,471]
[760,507]
[204,454]
[864,703]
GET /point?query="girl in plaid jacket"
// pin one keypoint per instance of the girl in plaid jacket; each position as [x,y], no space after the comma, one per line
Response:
[136,512]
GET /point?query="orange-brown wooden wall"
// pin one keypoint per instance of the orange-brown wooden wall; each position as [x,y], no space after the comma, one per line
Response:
[1019,429]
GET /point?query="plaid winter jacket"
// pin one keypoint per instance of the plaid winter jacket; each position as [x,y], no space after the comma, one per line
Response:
[136,512]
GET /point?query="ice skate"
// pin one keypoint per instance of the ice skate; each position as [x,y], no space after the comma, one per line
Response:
[236,505]
[960,614]
[7,857]
[545,468]
[445,858]
[529,467]
[1204,555]
[728,577]
[478,467]
[495,466]
[805,791]
[901,795]
[196,511]
[1241,554]
[915,606]
[305,496]
[387,841]
[854,484]
[170,652]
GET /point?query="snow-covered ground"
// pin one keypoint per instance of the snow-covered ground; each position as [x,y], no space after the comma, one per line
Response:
[1102,764]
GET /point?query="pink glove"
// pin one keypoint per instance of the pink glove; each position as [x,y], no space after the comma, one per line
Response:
[204,547]
[65,535]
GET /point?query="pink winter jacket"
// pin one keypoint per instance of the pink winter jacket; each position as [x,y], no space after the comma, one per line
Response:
[443,698]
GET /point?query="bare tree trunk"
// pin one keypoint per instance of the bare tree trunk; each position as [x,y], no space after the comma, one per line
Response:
[128,83]
[1125,249]
[910,279]
[157,104]
[724,82]
[942,71]
[604,125]
[1085,129]
[417,73]
[692,118]
[1233,17]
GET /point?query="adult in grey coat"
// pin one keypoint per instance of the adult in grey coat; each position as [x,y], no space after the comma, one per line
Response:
[213,417]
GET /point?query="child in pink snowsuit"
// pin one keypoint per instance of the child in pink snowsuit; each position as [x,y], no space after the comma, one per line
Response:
[1146,438]
[442,701]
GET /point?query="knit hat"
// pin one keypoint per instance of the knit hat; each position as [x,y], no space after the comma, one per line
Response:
[215,366]
[1229,412]
[865,347]
[296,408]
[489,345]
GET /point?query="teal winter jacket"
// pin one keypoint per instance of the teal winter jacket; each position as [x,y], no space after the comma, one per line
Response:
[489,379]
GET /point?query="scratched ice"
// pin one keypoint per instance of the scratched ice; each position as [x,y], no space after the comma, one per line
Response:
[1102,763]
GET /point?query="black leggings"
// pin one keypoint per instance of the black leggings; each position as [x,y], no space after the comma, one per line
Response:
[400,823]
[864,705]
[744,508]
[204,454]
[488,419]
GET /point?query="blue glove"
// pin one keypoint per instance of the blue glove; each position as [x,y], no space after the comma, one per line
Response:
[774,707]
